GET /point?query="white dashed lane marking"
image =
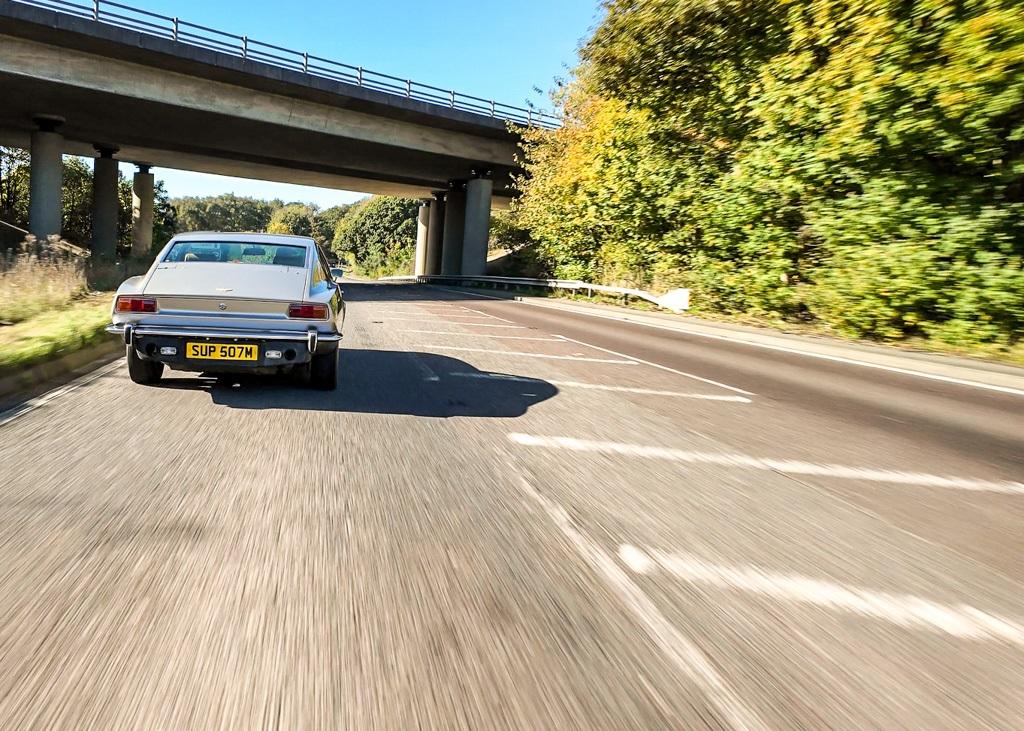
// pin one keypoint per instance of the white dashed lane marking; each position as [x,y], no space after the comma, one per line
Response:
[739,340]
[426,371]
[479,335]
[785,466]
[904,610]
[455,319]
[660,366]
[410,310]
[485,314]
[602,387]
[677,647]
[463,324]
[432,346]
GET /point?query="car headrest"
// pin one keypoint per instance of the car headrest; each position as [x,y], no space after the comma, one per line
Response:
[289,258]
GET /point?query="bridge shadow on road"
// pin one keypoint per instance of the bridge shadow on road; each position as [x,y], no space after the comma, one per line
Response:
[386,382]
[385,293]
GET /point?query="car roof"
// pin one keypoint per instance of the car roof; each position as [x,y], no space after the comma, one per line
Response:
[251,237]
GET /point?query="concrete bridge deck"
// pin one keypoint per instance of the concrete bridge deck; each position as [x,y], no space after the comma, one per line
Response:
[72,85]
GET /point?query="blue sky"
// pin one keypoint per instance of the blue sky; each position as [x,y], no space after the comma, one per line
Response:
[495,49]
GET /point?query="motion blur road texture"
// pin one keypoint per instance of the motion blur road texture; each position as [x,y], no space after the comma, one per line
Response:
[516,517]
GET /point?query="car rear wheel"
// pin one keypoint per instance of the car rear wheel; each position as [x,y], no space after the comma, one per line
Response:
[323,371]
[146,372]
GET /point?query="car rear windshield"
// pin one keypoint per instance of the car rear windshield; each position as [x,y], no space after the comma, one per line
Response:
[238,252]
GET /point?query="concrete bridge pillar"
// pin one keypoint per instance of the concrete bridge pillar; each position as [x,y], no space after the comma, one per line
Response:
[422,226]
[477,226]
[106,204]
[454,225]
[142,211]
[46,176]
[435,234]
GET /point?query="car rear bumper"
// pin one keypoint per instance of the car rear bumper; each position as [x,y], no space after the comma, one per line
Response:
[220,333]
[156,342]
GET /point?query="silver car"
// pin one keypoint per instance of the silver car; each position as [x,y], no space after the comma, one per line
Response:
[230,303]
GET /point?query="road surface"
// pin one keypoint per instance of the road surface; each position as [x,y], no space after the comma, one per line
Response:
[516,517]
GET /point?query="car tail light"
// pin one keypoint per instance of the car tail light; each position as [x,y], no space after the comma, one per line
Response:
[135,304]
[305,311]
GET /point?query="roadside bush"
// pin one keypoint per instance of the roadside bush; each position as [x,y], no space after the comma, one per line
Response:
[325,222]
[379,233]
[858,164]
[37,278]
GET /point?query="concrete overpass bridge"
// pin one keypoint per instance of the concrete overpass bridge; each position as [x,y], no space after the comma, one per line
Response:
[102,79]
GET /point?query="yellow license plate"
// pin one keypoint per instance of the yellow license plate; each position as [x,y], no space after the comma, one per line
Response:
[221,351]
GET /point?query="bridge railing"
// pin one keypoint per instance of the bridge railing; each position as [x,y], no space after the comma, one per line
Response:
[193,34]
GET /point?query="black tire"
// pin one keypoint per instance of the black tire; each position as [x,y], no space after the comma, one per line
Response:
[323,371]
[300,374]
[145,372]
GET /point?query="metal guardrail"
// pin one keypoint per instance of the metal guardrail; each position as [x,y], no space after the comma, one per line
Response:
[11,228]
[182,31]
[54,242]
[676,300]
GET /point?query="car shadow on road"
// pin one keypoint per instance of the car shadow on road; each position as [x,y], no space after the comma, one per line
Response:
[386,382]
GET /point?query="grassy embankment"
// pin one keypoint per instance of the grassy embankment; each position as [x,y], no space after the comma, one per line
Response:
[46,308]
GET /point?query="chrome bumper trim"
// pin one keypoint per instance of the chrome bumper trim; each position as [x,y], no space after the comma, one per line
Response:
[135,331]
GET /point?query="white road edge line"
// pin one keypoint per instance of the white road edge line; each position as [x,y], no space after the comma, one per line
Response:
[835,358]
[523,354]
[785,466]
[905,610]
[13,413]
[768,346]
[602,387]
[479,335]
[809,354]
[727,387]
[680,650]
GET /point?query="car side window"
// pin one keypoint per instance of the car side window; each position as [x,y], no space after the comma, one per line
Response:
[320,274]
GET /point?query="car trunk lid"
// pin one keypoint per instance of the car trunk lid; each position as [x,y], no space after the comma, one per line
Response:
[259,290]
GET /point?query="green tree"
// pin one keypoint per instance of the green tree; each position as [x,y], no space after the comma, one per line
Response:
[294,218]
[226,212]
[379,234]
[76,197]
[76,218]
[857,163]
[165,222]
[506,234]
[326,221]
[14,180]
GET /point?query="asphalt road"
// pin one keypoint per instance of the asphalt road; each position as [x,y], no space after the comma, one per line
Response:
[516,517]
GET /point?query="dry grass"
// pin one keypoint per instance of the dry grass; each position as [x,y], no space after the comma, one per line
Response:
[39,278]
